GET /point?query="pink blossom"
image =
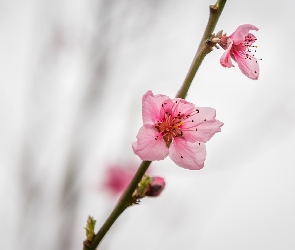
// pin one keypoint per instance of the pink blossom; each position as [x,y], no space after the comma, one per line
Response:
[117,178]
[176,128]
[238,47]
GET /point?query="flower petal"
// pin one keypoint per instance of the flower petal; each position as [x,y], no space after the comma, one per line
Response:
[207,129]
[151,107]
[203,132]
[247,64]
[239,35]
[150,146]
[225,59]
[182,107]
[202,114]
[201,126]
[186,154]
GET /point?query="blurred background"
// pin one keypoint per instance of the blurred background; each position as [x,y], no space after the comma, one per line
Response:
[72,77]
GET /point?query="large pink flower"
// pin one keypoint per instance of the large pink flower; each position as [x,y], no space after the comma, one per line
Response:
[238,47]
[176,128]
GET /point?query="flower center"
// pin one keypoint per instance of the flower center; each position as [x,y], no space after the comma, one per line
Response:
[170,127]
[173,117]
[249,39]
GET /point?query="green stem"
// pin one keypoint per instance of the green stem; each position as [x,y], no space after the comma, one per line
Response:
[124,202]
[126,198]
[215,12]
[199,57]
[204,49]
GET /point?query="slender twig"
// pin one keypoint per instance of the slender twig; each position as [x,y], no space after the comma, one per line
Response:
[204,49]
[124,202]
[192,71]
[215,12]
[126,198]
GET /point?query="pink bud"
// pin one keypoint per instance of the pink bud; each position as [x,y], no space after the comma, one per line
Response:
[155,187]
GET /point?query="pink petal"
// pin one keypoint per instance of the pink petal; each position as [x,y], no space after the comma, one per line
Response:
[151,107]
[203,132]
[225,59]
[181,106]
[176,106]
[247,64]
[150,146]
[202,115]
[207,129]
[239,35]
[186,154]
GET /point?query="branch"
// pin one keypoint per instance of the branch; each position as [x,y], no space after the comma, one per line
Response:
[126,199]
[204,48]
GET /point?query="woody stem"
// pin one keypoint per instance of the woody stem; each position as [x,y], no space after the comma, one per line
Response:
[124,202]
[203,49]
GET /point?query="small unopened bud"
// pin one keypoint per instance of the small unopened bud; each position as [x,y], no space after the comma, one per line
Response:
[148,186]
[155,187]
[141,189]
[90,228]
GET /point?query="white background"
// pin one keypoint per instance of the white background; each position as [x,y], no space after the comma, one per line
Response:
[72,77]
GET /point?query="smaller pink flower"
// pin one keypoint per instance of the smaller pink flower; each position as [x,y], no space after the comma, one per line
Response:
[117,179]
[238,47]
[176,128]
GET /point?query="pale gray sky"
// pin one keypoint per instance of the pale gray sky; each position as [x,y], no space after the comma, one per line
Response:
[71,82]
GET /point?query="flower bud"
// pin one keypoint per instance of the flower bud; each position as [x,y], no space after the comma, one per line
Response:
[155,187]
[89,231]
